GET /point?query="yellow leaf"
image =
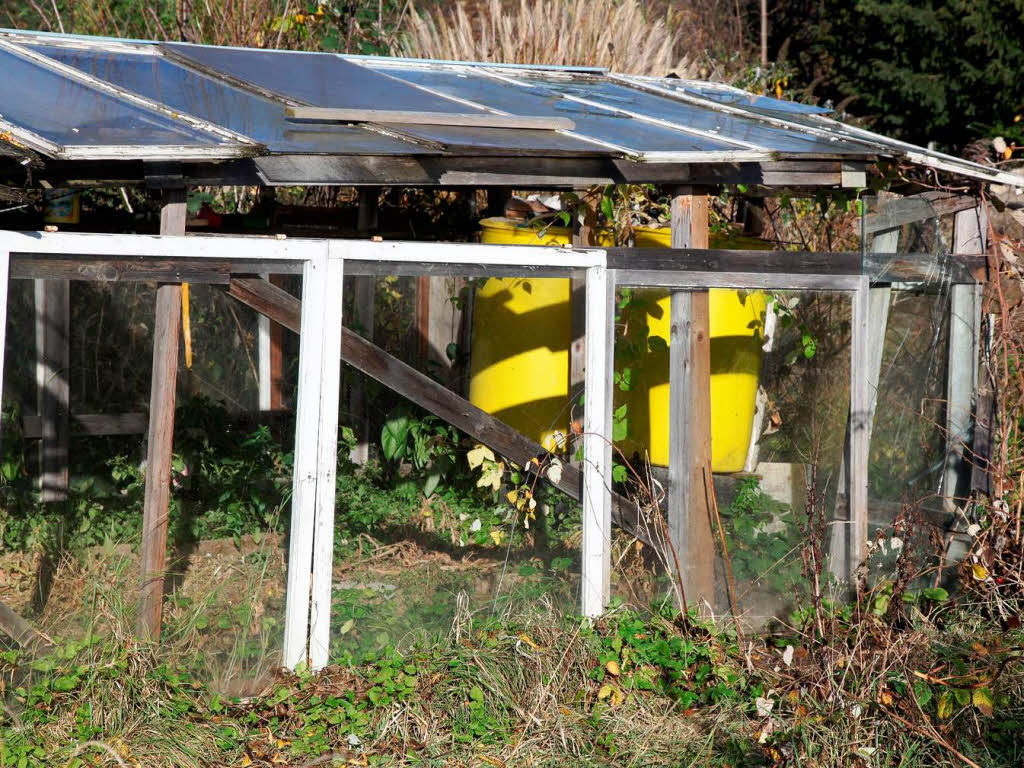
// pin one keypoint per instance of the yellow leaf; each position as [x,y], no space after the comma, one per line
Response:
[512,496]
[526,639]
[613,668]
[617,696]
[979,571]
[945,707]
[1007,153]
[496,536]
[246,760]
[886,698]
[604,692]
[476,456]
[1017,118]
[982,699]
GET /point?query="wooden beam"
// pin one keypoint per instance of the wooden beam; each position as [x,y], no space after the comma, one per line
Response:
[91,424]
[583,236]
[160,447]
[915,208]
[365,289]
[386,116]
[689,519]
[122,270]
[420,389]
[53,392]
[22,632]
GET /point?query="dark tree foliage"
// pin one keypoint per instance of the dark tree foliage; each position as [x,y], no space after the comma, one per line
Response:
[947,71]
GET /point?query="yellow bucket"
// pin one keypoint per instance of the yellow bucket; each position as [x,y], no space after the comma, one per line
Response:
[519,358]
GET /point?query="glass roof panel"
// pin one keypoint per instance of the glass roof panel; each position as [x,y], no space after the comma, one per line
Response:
[261,119]
[317,79]
[736,97]
[73,114]
[511,140]
[707,119]
[523,100]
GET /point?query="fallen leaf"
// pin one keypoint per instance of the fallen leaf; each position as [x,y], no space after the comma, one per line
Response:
[979,571]
[982,699]
[613,668]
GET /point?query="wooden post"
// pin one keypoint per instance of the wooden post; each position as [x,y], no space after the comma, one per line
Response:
[597,442]
[965,310]
[690,412]
[843,558]
[364,295]
[167,331]
[314,465]
[53,361]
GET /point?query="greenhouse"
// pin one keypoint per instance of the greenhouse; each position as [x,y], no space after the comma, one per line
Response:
[536,356]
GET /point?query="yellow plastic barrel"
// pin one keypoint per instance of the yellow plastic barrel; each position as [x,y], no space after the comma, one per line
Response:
[519,357]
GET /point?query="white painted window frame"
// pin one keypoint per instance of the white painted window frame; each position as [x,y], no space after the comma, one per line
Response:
[311,547]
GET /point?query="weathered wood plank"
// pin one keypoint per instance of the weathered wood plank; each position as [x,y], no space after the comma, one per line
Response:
[689,519]
[364,300]
[91,424]
[53,391]
[121,270]
[160,448]
[909,210]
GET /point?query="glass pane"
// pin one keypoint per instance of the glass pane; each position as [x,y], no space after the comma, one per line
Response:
[258,118]
[511,139]
[523,100]
[751,131]
[726,95]
[319,79]
[73,114]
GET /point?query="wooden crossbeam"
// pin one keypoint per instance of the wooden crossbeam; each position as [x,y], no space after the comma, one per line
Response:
[281,307]
[121,270]
[91,424]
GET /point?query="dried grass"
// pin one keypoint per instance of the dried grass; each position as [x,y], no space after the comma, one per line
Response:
[597,33]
